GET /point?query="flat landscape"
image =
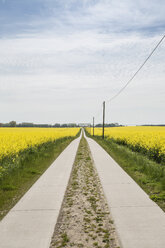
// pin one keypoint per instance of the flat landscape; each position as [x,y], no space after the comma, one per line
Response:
[90,214]
[82,124]
[140,151]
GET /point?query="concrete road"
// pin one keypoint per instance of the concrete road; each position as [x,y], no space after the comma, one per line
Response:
[30,224]
[140,223]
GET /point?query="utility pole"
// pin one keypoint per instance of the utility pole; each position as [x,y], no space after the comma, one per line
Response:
[93,126]
[103,117]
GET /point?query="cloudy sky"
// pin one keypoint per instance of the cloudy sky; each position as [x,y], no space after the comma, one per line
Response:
[60,59]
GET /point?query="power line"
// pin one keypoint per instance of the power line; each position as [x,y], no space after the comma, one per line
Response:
[134,75]
[130,80]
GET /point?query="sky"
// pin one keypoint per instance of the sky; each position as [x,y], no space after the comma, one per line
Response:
[60,59]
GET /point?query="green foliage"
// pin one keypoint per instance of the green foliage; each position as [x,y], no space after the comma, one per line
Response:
[65,239]
[153,154]
[149,174]
[13,162]
[25,170]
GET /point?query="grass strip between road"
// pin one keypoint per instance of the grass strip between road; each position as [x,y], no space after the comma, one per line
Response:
[147,173]
[84,219]
[32,165]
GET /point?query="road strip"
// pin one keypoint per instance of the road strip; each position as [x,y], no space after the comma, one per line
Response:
[30,224]
[84,219]
[139,221]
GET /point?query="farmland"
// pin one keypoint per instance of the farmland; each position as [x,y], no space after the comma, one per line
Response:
[16,141]
[25,155]
[140,152]
[147,140]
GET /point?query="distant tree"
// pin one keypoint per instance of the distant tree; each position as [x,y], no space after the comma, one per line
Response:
[64,125]
[72,125]
[27,124]
[98,125]
[30,124]
[57,125]
[109,125]
[12,124]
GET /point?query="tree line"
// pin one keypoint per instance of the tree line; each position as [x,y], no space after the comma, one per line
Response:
[29,124]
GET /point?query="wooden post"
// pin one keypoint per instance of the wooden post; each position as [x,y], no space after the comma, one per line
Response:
[103,117]
[93,126]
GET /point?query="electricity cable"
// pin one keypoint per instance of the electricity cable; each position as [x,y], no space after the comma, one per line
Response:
[134,75]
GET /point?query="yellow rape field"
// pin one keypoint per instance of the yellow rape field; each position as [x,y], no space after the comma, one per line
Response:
[15,140]
[150,140]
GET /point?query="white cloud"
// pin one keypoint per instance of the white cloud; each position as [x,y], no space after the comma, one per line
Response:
[64,75]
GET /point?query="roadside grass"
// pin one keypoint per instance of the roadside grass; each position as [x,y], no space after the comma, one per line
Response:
[147,173]
[31,166]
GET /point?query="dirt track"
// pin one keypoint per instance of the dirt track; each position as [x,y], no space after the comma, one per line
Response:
[84,220]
